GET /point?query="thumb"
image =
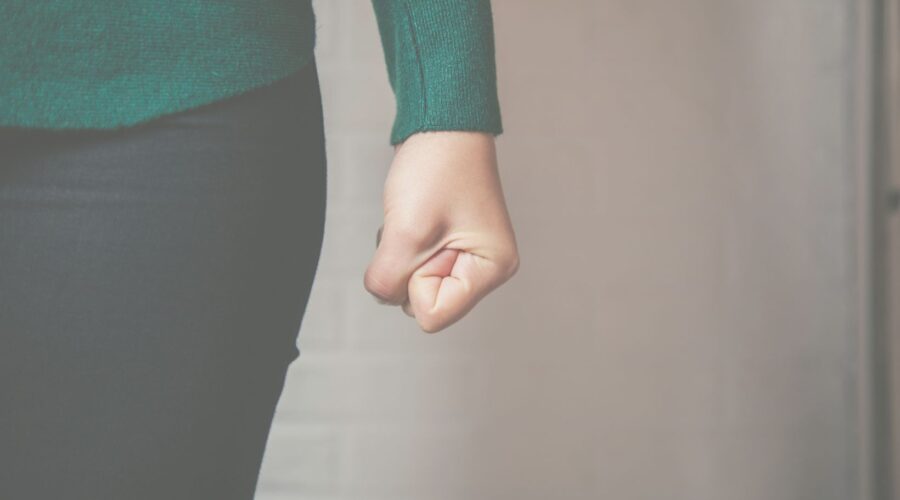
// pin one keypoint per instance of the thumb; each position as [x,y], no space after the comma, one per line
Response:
[397,255]
[448,286]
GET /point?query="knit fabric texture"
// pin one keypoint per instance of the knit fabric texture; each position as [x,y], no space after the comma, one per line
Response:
[440,61]
[106,64]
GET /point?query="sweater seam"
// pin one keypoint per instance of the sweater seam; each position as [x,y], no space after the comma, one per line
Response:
[418,55]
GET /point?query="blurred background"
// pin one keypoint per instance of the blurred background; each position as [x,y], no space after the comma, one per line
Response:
[703,306]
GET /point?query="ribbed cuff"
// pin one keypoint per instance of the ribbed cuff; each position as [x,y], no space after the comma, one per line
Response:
[440,61]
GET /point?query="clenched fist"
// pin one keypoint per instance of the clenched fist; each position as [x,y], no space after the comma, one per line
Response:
[447,239]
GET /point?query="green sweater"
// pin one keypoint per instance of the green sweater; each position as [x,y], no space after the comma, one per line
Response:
[105,64]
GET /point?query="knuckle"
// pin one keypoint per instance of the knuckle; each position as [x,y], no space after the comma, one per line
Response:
[376,287]
[429,323]
[429,327]
[514,266]
[510,263]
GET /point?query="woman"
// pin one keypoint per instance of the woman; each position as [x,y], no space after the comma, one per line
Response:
[162,204]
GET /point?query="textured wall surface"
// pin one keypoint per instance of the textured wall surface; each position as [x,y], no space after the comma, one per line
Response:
[682,324]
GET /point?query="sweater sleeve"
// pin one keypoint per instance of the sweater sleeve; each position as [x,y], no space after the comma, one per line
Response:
[440,63]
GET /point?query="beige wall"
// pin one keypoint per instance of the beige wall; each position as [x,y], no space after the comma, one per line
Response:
[683,325]
[893,74]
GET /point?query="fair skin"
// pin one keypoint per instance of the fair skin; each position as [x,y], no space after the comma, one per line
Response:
[447,240]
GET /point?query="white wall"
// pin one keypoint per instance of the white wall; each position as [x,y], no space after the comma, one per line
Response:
[683,322]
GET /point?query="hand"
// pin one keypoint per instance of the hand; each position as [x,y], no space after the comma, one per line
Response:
[447,239]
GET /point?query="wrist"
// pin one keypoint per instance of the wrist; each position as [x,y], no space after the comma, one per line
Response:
[448,138]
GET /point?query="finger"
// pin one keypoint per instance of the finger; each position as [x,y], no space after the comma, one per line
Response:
[396,257]
[440,265]
[449,285]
